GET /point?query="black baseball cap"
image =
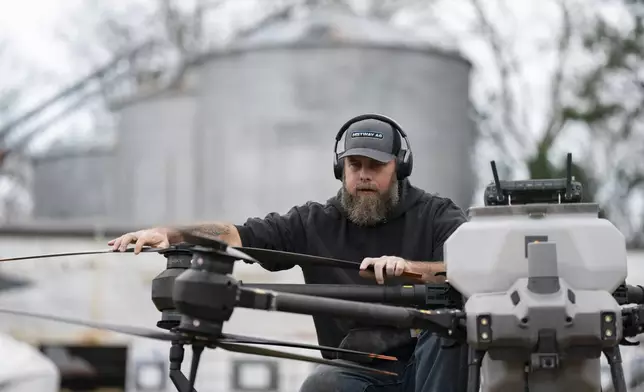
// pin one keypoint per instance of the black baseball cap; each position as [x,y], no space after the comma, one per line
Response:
[371,138]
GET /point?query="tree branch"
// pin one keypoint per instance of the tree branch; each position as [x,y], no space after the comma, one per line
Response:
[555,124]
[504,68]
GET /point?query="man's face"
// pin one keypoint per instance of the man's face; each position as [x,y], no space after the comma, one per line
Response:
[370,189]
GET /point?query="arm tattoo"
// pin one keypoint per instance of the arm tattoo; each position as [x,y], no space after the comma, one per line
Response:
[216,229]
[211,230]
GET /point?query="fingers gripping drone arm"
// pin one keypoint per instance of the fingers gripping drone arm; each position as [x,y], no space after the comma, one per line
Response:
[431,271]
[444,220]
[426,272]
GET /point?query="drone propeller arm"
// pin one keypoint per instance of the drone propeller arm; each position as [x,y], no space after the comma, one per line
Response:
[430,295]
[404,295]
[439,322]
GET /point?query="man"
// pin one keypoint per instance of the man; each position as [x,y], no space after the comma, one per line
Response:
[377,217]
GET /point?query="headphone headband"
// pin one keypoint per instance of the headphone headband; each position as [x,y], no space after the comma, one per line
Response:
[362,117]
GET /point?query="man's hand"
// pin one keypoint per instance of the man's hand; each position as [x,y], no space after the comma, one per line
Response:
[422,271]
[157,238]
[392,265]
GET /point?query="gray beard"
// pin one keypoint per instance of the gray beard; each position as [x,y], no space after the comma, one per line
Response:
[369,210]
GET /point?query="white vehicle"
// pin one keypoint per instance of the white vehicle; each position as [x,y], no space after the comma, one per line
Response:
[23,368]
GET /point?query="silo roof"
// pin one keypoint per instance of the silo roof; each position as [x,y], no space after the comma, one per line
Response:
[333,26]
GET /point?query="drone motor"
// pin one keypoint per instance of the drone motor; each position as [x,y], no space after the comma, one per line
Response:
[178,260]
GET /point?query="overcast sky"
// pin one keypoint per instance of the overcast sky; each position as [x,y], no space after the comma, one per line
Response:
[29,25]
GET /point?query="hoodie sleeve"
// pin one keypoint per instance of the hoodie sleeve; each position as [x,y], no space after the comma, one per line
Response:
[275,232]
[446,219]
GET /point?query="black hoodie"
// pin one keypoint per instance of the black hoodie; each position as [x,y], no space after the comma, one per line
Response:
[415,230]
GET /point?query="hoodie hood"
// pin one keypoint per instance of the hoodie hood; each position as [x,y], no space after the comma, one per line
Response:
[409,196]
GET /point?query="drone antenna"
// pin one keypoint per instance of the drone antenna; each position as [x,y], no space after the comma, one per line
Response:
[197,349]
[497,182]
[569,176]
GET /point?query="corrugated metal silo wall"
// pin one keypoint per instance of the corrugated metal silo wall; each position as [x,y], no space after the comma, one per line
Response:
[267,121]
[73,186]
[154,161]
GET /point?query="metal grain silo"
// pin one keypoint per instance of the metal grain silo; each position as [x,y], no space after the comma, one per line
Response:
[270,105]
[73,185]
[154,159]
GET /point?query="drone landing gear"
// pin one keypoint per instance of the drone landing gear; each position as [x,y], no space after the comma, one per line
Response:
[178,378]
[474,361]
[614,358]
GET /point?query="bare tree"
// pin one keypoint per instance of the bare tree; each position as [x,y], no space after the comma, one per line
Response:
[103,31]
[15,179]
[533,95]
[180,29]
[611,106]
[154,42]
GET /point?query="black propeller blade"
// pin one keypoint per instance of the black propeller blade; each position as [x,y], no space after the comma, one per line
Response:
[171,336]
[230,338]
[276,256]
[266,255]
[240,348]
[90,252]
[128,330]
[228,252]
[232,253]
[279,354]
[198,346]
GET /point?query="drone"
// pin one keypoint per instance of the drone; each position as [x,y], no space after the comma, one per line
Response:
[554,299]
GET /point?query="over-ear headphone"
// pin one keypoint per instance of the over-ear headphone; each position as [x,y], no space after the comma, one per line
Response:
[404,157]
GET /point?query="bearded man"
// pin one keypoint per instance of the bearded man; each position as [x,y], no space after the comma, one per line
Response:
[379,218]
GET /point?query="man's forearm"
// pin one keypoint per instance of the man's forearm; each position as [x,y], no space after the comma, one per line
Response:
[226,232]
[428,269]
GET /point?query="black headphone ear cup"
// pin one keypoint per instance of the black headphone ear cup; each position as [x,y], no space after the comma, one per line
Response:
[409,164]
[338,167]
[403,164]
[400,165]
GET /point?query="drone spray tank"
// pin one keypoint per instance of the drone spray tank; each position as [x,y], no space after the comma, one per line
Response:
[544,313]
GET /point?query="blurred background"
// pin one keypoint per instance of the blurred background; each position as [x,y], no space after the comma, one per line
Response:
[119,115]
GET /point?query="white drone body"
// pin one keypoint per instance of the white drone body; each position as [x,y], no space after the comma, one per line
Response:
[538,282]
